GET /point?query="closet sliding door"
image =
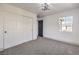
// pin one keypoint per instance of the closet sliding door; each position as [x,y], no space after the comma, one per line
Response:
[24,29]
[28,28]
[10,26]
[18,30]
[1,32]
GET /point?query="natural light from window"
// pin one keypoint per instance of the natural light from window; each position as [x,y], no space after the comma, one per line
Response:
[66,23]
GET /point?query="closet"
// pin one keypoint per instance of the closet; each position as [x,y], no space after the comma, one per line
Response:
[14,29]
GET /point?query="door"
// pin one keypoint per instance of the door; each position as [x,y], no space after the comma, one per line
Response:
[14,30]
[27,29]
[24,29]
[10,28]
[1,32]
[18,30]
[40,28]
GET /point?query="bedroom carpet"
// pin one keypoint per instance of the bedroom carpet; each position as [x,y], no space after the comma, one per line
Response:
[42,46]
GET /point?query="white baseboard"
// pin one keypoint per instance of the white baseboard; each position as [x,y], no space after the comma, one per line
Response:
[62,41]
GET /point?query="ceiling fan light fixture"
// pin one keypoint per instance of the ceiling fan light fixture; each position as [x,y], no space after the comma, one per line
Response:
[45,6]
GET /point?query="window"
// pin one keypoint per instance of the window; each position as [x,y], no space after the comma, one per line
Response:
[66,23]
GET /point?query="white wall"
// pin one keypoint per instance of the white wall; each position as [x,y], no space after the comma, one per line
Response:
[51,27]
[18,21]
[35,28]
[40,18]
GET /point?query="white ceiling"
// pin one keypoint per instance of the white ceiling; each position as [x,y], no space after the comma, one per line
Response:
[54,7]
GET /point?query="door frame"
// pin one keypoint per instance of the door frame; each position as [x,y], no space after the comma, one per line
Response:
[42,28]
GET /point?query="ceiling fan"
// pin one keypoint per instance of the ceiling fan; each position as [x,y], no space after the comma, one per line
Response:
[45,6]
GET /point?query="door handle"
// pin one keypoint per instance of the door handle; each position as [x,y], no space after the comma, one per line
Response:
[5,31]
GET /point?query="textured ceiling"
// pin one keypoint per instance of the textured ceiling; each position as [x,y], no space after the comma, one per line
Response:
[54,7]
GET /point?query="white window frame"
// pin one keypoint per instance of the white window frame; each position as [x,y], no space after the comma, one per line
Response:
[66,26]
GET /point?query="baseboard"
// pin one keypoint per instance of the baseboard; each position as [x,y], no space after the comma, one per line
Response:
[62,41]
[19,44]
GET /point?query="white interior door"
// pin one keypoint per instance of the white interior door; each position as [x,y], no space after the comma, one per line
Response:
[11,28]
[1,32]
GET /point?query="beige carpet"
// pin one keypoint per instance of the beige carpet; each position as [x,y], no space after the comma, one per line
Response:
[42,46]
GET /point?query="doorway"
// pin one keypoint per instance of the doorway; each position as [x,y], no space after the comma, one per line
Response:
[40,28]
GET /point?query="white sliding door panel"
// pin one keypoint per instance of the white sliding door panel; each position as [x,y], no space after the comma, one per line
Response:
[27,28]
[20,27]
[11,28]
[1,31]
[24,29]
